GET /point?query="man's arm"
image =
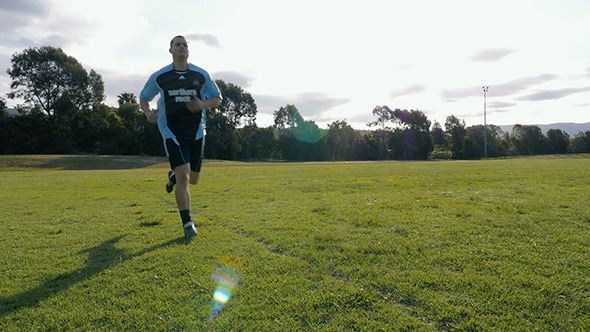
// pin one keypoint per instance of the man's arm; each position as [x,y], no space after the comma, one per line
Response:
[197,104]
[152,116]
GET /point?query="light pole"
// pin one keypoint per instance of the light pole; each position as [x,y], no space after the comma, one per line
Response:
[485,126]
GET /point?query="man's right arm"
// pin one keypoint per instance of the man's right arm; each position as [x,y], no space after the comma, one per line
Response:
[152,116]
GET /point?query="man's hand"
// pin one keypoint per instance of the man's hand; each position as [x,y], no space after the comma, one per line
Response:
[152,116]
[195,105]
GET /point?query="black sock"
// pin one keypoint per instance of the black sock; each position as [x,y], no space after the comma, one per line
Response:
[186,216]
[173,178]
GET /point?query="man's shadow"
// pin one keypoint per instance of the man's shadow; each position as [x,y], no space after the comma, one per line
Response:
[100,258]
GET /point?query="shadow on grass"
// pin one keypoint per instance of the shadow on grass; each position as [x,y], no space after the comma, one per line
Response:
[100,258]
[79,162]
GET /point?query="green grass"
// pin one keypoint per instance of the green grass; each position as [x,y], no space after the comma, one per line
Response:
[95,243]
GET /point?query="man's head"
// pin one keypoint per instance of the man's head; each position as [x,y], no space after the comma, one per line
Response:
[179,46]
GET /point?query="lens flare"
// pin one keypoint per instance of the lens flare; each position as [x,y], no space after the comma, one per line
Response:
[222,295]
[308,132]
[227,278]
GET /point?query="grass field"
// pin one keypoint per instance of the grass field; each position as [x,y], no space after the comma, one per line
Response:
[93,243]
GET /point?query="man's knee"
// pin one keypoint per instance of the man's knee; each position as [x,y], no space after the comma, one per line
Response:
[182,174]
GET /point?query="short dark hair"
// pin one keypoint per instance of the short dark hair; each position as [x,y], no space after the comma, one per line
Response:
[179,36]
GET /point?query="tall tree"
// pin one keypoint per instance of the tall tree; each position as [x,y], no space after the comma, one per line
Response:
[384,114]
[558,141]
[297,138]
[415,127]
[340,141]
[49,79]
[237,106]
[581,142]
[286,117]
[528,139]
[438,135]
[455,133]
[495,138]
[126,98]
[95,90]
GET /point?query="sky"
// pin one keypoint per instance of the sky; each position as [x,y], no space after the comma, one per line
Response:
[333,59]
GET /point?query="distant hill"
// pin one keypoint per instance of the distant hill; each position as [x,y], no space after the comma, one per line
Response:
[571,128]
[12,111]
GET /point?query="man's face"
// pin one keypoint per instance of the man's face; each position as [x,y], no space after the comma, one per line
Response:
[179,47]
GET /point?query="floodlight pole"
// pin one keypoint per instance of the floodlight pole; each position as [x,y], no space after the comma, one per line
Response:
[485,126]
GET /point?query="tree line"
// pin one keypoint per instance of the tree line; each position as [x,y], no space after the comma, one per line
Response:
[64,112]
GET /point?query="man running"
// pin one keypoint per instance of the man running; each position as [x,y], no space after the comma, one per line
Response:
[185,92]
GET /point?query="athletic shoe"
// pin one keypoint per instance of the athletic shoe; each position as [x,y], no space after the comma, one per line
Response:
[171,182]
[190,230]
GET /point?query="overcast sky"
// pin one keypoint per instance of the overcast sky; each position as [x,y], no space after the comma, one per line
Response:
[334,60]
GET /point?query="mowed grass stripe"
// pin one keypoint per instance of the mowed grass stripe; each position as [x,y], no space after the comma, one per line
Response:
[485,245]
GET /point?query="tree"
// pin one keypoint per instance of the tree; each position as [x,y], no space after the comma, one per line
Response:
[477,141]
[384,114]
[222,139]
[558,141]
[416,140]
[286,117]
[126,98]
[439,143]
[245,136]
[104,132]
[470,149]
[133,122]
[23,134]
[95,90]
[340,141]
[528,140]
[49,79]
[297,138]
[56,85]
[307,131]
[581,143]
[237,106]
[455,134]
[438,135]
[263,143]
[130,112]
[371,144]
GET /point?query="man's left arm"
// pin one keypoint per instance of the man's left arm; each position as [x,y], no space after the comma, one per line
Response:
[196,104]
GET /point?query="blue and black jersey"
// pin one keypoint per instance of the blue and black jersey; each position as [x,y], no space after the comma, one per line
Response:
[176,88]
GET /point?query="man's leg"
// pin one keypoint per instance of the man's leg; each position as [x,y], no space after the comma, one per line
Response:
[194,179]
[183,199]
[179,153]
[183,195]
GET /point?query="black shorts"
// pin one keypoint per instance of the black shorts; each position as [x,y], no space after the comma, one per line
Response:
[181,151]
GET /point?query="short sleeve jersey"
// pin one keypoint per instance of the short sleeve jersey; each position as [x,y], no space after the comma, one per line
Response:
[176,88]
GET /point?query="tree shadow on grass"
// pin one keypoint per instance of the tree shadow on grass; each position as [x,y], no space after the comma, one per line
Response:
[80,162]
[100,258]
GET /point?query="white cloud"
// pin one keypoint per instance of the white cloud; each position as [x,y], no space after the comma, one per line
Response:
[410,90]
[235,77]
[491,54]
[207,39]
[552,94]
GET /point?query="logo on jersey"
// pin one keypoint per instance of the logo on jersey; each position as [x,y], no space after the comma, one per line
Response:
[182,95]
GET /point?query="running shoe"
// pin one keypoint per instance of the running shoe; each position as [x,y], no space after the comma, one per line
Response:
[190,230]
[171,182]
